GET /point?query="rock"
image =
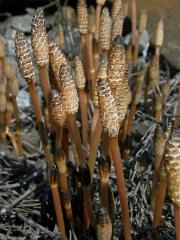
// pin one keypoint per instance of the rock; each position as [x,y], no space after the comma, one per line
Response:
[169,10]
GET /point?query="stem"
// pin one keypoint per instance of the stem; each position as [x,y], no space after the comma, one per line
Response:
[85,50]
[133,16]
[91,64]
[3,103]
[84,116]
[94,143]
[98,14]
[130,118]
[94,120]
[59,133]
[58,209]
[45,84]
[18,129]
[105,144]
[88,203]
[121,187]
[104,186]
[178,109]
[62,170]
[161,193]
[177,221]
[65,141]
[13,141]
[41,127]
[104,54]
[75,137]
[95,55]
[136,49]
[155,180]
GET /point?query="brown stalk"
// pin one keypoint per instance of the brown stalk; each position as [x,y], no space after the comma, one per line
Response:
[57,200]
[13,89]
[160,197]
[39,40]
[177,221]
[18,129]
[71,104]
[94,143]
[165,93]
[103,225]
[3,101]
[68,208]
[110,122]
[177,122]
[114,148]
[135,101]
[91,31]
[96,127]
[26,69]
[157,107]
[134,20]
[80,82]
[142,27]
[86,186]
[104,170]
[159,144]
[62,170]
[96,55]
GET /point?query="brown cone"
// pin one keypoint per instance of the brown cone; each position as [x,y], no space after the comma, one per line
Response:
[23,57]
[39,39]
